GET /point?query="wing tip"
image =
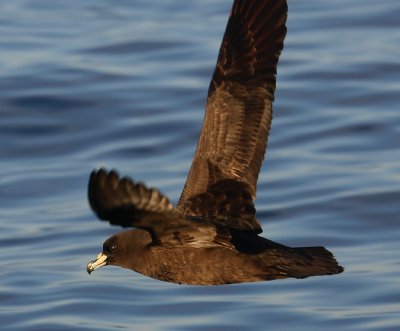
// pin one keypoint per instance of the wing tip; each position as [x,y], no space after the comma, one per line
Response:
[108,190]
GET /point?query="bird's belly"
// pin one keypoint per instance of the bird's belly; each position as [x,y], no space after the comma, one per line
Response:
[206,266]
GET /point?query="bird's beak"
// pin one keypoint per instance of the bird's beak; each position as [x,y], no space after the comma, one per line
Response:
[100,261]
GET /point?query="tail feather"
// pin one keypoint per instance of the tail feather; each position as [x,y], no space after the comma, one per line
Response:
[319,261]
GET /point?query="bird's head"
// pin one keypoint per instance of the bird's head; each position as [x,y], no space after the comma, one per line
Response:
[123,249]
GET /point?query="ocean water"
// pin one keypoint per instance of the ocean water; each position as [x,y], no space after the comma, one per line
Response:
[122,84]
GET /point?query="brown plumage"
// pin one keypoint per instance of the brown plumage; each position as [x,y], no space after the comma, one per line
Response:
[211,237]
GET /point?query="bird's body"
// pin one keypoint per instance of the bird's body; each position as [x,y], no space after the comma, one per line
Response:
[218,265]
[184,264]
[212,236]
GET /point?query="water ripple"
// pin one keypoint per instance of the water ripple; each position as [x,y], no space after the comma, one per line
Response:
[123,85]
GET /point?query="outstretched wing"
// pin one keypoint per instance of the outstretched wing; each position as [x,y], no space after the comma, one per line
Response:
[238,115]
[121,201]
[125,203]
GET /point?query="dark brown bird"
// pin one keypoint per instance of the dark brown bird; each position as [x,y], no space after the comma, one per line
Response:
[211,236]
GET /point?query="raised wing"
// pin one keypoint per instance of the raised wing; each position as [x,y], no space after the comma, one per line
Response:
[238,115]
[122,202]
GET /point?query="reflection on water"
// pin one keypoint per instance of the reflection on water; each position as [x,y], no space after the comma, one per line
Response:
[89,84]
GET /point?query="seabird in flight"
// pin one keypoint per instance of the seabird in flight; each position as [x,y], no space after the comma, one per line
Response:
[212,236]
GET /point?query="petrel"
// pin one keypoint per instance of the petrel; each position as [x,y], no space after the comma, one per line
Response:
[211,236]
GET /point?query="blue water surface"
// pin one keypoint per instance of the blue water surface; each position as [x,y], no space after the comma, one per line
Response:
[122,84]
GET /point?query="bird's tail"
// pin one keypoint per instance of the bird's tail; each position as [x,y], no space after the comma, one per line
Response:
[317,261]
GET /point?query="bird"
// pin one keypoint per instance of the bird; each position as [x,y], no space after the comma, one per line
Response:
[212,236]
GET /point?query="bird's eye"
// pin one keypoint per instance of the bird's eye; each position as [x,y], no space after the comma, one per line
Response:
[113,248]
